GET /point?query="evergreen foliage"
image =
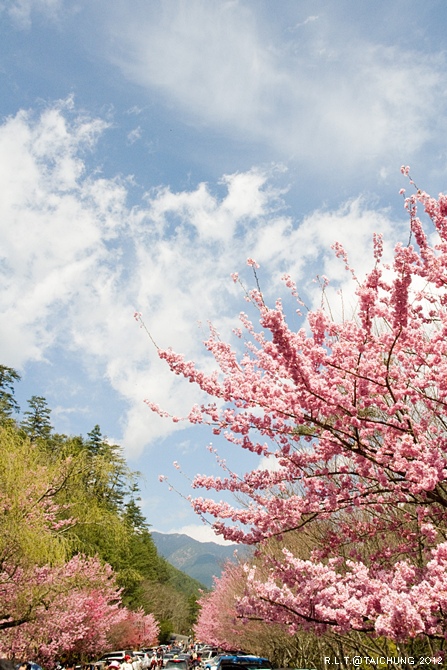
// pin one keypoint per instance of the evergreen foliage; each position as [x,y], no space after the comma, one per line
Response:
[8,404]
[36,422]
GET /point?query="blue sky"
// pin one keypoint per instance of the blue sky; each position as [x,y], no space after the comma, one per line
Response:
[147,148]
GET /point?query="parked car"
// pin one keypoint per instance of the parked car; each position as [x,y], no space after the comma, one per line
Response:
[243,662]
[32,665]
[177,664]
[212,663]
[185,657]
[207,655]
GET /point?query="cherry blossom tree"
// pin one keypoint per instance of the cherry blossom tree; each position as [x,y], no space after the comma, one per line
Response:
[353,413]
[134,631]
[78,613]
[51,602]
[218,623]
[65,609]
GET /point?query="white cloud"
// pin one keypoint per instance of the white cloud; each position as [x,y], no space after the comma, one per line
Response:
[163,45]
[201,533]
[134,135]
[327,96]
[77,261]
[52,227]
[300,24]
[269,463]
[21,10]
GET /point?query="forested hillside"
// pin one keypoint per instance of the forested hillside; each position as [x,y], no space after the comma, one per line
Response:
[70,523]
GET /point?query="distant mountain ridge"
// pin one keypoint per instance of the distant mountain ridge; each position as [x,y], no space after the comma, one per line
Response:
[199,560]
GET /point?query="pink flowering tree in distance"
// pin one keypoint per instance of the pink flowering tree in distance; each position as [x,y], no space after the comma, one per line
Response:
[217,623]
[353,413]
[134,631]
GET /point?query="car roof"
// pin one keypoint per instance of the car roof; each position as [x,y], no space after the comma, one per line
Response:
[117,654]
[230,660]
[177,660]
[243,657]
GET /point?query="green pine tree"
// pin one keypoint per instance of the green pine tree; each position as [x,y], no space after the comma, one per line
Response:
[8,404]
[36,422]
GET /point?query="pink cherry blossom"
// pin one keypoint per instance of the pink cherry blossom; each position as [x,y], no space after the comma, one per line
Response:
[66,609]
[353,413]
